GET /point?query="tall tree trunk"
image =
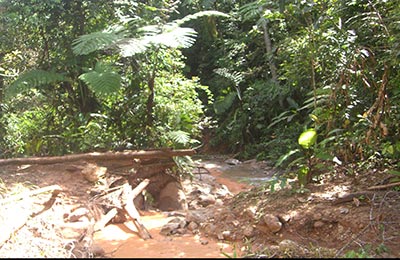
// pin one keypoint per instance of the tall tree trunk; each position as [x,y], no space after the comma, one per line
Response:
[268,47]
[150,105]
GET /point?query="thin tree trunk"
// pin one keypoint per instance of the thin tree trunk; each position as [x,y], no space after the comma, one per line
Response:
[268,47]
[150,103]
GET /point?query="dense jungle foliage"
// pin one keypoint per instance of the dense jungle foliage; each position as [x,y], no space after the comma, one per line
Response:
[84,75]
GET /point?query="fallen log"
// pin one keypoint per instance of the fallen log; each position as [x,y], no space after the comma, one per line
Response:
[143,154]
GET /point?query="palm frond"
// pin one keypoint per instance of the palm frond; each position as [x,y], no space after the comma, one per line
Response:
[197,15]
[32,79]
[89,43]
[177,37]
[103,80]
[131,46]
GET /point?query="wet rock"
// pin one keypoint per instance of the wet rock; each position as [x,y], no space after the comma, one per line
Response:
[232,161]
[180,220]
[209,228]
[192,226]
[172,198]
[180,231]
[198,216]
[169,229]
[272,222]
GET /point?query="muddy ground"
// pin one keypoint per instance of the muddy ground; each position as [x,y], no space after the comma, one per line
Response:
[335,217]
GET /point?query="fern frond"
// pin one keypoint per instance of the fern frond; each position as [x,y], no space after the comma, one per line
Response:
[32,79]
[236,77]
[103,80]
[179,137]
[250,11]
[89,43]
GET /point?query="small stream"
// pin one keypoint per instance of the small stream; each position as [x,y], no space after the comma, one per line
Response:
[248,172]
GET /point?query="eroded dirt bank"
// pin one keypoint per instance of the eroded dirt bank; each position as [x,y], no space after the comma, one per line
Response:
[335,217]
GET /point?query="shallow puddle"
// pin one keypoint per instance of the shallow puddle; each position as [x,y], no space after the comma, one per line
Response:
[120,242]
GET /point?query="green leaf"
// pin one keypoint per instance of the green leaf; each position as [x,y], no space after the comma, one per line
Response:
[285,157]
[32,79]
[221,106]
[103,80]
[89,43]
[394,172]
[324,156]
[308,138]
[179,137]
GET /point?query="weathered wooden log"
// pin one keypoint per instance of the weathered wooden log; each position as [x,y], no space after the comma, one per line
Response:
[105,219]
[162,153]
[131,209]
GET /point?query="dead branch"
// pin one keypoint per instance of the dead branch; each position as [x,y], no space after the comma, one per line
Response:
[385,186]
[31,193]
[351,196]
[143,154]
[105,219]
[48,204]
[131,209]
